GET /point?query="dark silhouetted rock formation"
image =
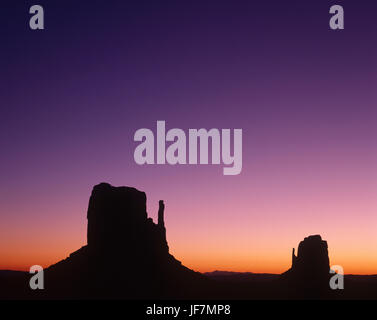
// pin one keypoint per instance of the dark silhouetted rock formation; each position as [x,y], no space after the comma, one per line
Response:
[117,217]
[310,268]
[127,255]
[312,257]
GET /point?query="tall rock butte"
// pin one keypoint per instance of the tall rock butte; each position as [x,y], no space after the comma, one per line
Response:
[117,218]
[126,256]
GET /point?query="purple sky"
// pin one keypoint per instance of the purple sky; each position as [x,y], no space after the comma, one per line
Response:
[305,96]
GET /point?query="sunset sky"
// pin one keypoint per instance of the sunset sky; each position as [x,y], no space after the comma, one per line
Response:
[74,94]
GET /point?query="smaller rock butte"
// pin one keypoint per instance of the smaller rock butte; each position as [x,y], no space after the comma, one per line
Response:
[311,265]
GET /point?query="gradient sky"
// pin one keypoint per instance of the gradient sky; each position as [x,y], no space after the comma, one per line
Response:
[73,95]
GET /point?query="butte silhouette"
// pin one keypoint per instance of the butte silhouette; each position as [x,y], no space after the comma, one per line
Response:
[309,274]
[127,255]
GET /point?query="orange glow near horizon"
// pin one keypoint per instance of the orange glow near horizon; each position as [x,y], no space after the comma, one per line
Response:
[233,246]
[205,260]
[304,97]
[246,223]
